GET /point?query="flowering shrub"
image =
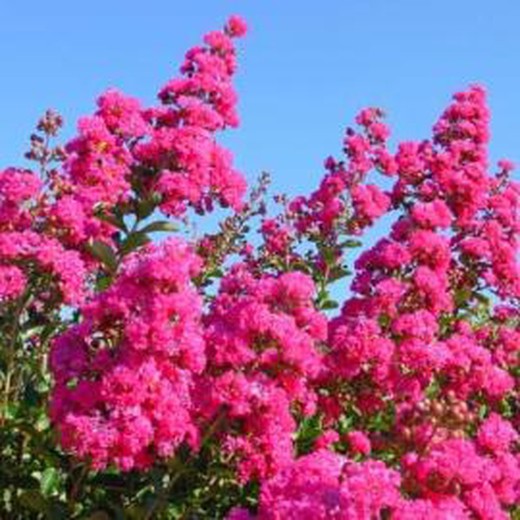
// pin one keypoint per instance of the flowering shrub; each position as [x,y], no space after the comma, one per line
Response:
[213,377]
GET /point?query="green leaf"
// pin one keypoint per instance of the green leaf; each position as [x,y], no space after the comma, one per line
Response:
[114,220]
[159,225]
[339,272]
[329,304]
[351,243]
[49,481]
[11,412]
[462,297]
[215,273]
[506,408]
[104,253]
[42,423]
[481,298]
[147,206]
[103,282]
[134,241]
[309,430]
[329,255]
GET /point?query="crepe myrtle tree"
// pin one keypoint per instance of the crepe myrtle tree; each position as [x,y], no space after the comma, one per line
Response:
[216,375]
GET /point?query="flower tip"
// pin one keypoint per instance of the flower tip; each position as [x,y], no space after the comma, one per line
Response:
[236,27]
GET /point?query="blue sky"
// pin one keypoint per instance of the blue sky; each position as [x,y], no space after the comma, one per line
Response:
[306,68]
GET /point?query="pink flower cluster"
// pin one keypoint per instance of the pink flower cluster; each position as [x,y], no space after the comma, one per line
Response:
[483,484]
[29,259]
[193,169]
[419,342]
[413,384]
[126,152]
[344,202]
[28,250]
[328,486]
[263,344]
[95,177]
[411,335]
[124,375]
[454,481]
[396,328]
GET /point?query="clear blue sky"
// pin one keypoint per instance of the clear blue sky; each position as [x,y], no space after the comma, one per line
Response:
[306,67]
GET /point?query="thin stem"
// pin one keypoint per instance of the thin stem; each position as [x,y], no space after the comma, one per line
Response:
[11,351]
[76,488]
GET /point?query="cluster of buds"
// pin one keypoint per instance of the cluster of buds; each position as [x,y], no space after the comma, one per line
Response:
[439,418]
[50,123]
[41,152]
